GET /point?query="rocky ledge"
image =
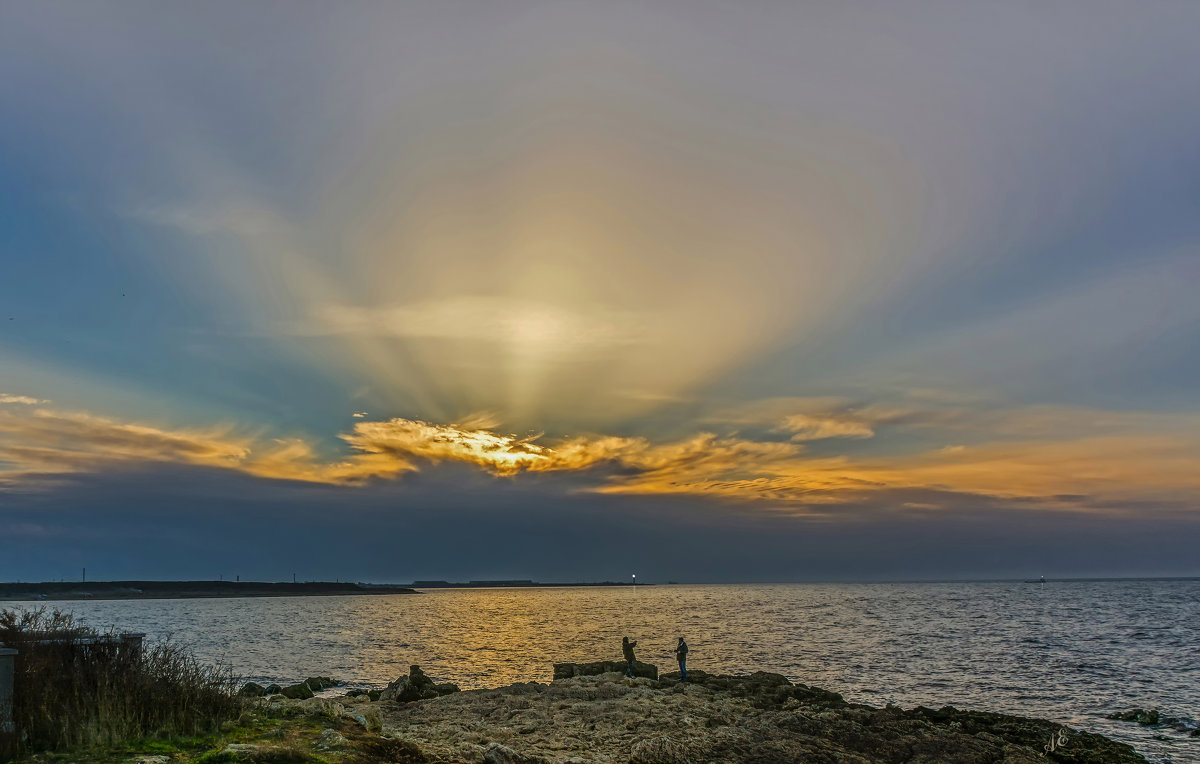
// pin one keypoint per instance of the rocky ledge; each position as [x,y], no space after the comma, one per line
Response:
[758,718]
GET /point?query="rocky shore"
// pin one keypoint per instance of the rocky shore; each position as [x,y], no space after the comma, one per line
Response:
[594,716]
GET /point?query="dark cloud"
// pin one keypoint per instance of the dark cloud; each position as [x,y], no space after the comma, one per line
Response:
[456,523]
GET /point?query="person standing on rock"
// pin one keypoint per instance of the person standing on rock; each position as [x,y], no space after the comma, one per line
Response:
[627,648]
[681,656]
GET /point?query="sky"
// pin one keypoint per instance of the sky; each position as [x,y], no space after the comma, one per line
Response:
[572,291]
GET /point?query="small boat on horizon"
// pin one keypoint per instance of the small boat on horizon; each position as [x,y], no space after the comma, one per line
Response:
[1039,580]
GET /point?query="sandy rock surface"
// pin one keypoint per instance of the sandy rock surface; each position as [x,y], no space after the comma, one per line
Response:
[760,718]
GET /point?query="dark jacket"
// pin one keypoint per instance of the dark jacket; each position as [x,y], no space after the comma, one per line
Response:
[681,652]
[627,648]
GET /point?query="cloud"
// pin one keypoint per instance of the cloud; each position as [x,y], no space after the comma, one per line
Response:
[359,414]
[20,399]
[820,418]
[808,427]
[1038,457]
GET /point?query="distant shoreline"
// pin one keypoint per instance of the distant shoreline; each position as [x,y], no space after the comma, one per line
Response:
[54,591]
[58,591]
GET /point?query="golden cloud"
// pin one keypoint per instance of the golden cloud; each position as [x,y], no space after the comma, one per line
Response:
[1105,459]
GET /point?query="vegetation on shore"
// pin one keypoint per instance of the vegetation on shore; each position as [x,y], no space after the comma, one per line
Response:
[77,688]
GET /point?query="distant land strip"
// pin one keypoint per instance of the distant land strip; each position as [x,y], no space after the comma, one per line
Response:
[511,583]
[133,590]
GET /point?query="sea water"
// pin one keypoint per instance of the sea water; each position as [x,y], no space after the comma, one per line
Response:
[1069,651]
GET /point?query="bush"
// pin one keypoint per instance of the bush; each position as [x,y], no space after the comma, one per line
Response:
[78,687]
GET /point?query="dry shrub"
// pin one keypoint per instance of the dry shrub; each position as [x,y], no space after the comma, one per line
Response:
[76,688]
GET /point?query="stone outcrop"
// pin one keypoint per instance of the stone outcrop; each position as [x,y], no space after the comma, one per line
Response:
[596,668]
[319,683]
[416,686]
[252,690]
[1141,716]
[299,691]
[763,717]
[611,719]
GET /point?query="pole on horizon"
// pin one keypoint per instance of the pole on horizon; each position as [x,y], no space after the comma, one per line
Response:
[85,575]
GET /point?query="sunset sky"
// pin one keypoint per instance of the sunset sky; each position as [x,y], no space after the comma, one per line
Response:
[702,291]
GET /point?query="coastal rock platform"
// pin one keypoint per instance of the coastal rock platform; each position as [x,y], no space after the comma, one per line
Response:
[757,718]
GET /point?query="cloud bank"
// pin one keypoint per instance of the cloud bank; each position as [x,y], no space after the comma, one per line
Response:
[1036,457]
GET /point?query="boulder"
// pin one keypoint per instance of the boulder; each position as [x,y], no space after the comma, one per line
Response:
[330,739]
[1139,715]
[320,707]
[318,683]
[416,686]
[239,752]
[596,668]
[273,689]
[252,690]
[297,691]
[373,719]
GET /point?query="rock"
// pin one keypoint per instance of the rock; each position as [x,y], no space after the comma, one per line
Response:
[658,750]
[371,718]
[319,683]
[355,693]
[156,759]
[1141,716]
[416,686]
[297,691]
[239,750]
[394,688]
[729,719]
[374,719]
[330,739]
[496,753]
[596,668]
[374,694]
[321,707]
[273,689]
[252,690]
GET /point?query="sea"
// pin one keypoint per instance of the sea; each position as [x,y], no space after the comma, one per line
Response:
[1069,651]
